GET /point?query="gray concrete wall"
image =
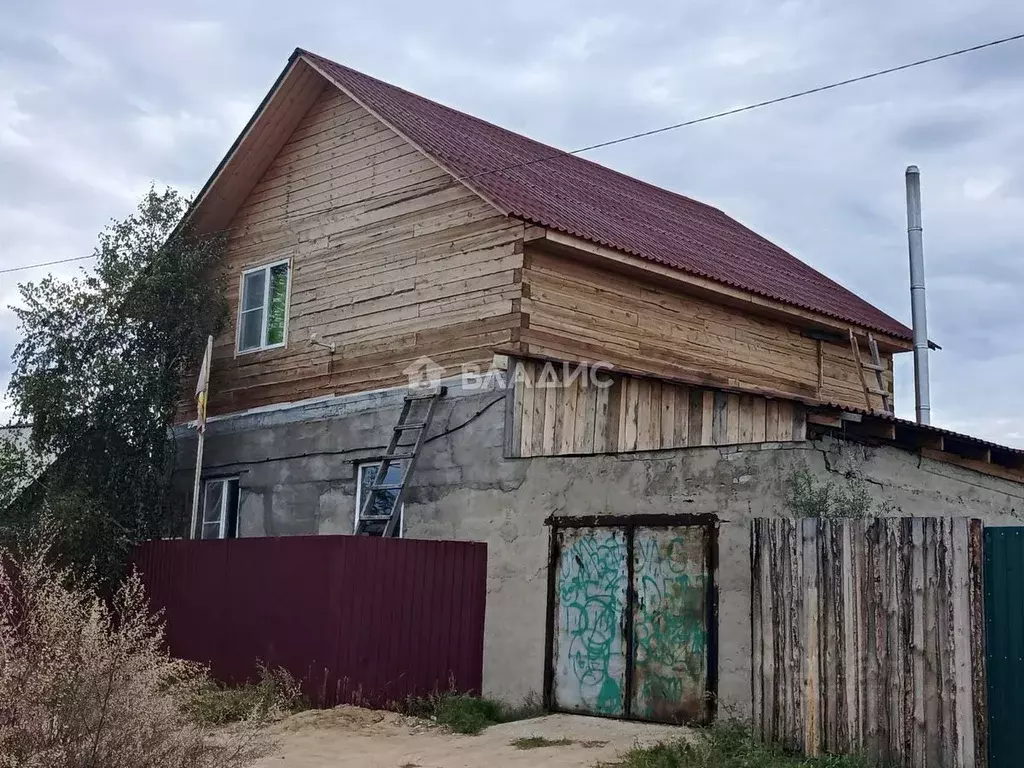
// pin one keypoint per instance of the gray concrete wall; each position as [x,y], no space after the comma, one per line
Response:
[297,470]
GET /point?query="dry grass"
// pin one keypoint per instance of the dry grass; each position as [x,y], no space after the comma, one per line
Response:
[86,681]
[727,747]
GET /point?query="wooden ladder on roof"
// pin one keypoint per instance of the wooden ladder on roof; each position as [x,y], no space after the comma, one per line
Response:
[874,366]
[380,512]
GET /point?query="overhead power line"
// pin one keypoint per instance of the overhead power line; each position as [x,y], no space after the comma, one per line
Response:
[655,131]
[46,263]
[756,105]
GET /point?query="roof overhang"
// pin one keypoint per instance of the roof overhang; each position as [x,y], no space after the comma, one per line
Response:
[267,131]
[579,248]
[930,442]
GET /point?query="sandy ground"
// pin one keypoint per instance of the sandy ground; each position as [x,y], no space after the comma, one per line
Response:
[348,737]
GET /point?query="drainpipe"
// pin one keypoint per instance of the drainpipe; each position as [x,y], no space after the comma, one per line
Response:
[917,302]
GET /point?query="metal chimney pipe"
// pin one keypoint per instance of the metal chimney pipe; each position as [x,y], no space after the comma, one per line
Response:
[918,311]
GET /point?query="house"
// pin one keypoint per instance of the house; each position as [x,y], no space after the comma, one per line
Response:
[631,376]
[21,469]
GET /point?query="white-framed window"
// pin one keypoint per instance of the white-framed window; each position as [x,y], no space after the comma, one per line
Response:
[382,501]
[263,307]
[220,509]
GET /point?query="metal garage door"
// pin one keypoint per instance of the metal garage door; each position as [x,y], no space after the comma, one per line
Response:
[633,618]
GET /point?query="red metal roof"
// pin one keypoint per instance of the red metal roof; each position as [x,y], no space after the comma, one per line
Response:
[581,198]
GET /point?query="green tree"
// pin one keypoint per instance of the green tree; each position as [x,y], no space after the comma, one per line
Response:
[100,372]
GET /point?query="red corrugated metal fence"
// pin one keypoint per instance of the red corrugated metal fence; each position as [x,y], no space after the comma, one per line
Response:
[355,618]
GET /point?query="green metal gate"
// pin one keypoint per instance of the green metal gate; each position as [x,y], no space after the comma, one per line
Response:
[1004,619]
[633,618]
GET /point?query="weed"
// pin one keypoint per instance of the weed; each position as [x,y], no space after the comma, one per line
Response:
[276,692]
[536,742]
[727,747]
[530,707]
[469,714]
[808,496]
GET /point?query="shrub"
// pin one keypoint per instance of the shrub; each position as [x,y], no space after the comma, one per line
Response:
[87,682]
[276,693]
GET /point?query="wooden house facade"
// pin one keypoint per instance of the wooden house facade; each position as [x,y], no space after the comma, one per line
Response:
[394,255]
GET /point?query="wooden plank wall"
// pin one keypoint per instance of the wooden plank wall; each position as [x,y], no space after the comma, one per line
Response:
[556,411]
[868,637]
[392,261]
[576,311]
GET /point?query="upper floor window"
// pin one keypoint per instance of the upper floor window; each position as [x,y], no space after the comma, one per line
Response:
[263,310]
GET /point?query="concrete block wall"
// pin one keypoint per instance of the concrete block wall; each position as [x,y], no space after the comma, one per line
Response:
[297,476]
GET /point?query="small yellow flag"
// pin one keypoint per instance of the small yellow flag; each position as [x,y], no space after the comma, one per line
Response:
[203,386]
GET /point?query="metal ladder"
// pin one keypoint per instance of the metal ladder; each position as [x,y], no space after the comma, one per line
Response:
[400,453]
[876,366]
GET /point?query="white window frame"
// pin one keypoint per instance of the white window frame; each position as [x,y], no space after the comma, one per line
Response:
[223,482]
[265,268]
[359,498]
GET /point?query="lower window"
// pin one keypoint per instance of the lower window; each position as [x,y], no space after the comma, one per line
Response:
[220,509]
[382,501]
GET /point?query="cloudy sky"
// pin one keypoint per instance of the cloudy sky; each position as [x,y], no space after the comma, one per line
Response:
[97,99]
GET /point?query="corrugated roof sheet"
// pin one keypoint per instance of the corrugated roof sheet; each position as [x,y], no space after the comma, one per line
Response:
[913,425]
[581,198]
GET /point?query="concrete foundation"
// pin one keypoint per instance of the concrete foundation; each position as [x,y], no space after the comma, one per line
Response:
[297,469]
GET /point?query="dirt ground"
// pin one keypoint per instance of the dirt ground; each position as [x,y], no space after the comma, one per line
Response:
[349,737]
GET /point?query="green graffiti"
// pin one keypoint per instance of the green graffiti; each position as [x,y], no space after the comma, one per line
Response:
[669,625]
[591,594]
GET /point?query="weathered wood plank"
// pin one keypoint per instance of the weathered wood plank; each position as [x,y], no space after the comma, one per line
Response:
[746,419]
[872,645]
[682,416]
[573,394]
[603,418]
[637,414]
[771,421]
[647,327]
[758,633]
[631,406]
[586,426]
[668,416]
[732,418]
[720,419]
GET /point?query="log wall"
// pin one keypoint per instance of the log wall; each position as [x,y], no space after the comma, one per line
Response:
[577,311]
[558,410]
[868,637]
[392,260]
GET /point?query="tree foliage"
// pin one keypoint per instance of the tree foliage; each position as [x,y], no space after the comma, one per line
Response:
[100,372]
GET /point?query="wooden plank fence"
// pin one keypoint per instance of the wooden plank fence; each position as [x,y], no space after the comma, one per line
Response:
[868,638]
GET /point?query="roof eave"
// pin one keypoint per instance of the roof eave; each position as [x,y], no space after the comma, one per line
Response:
[580,247]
